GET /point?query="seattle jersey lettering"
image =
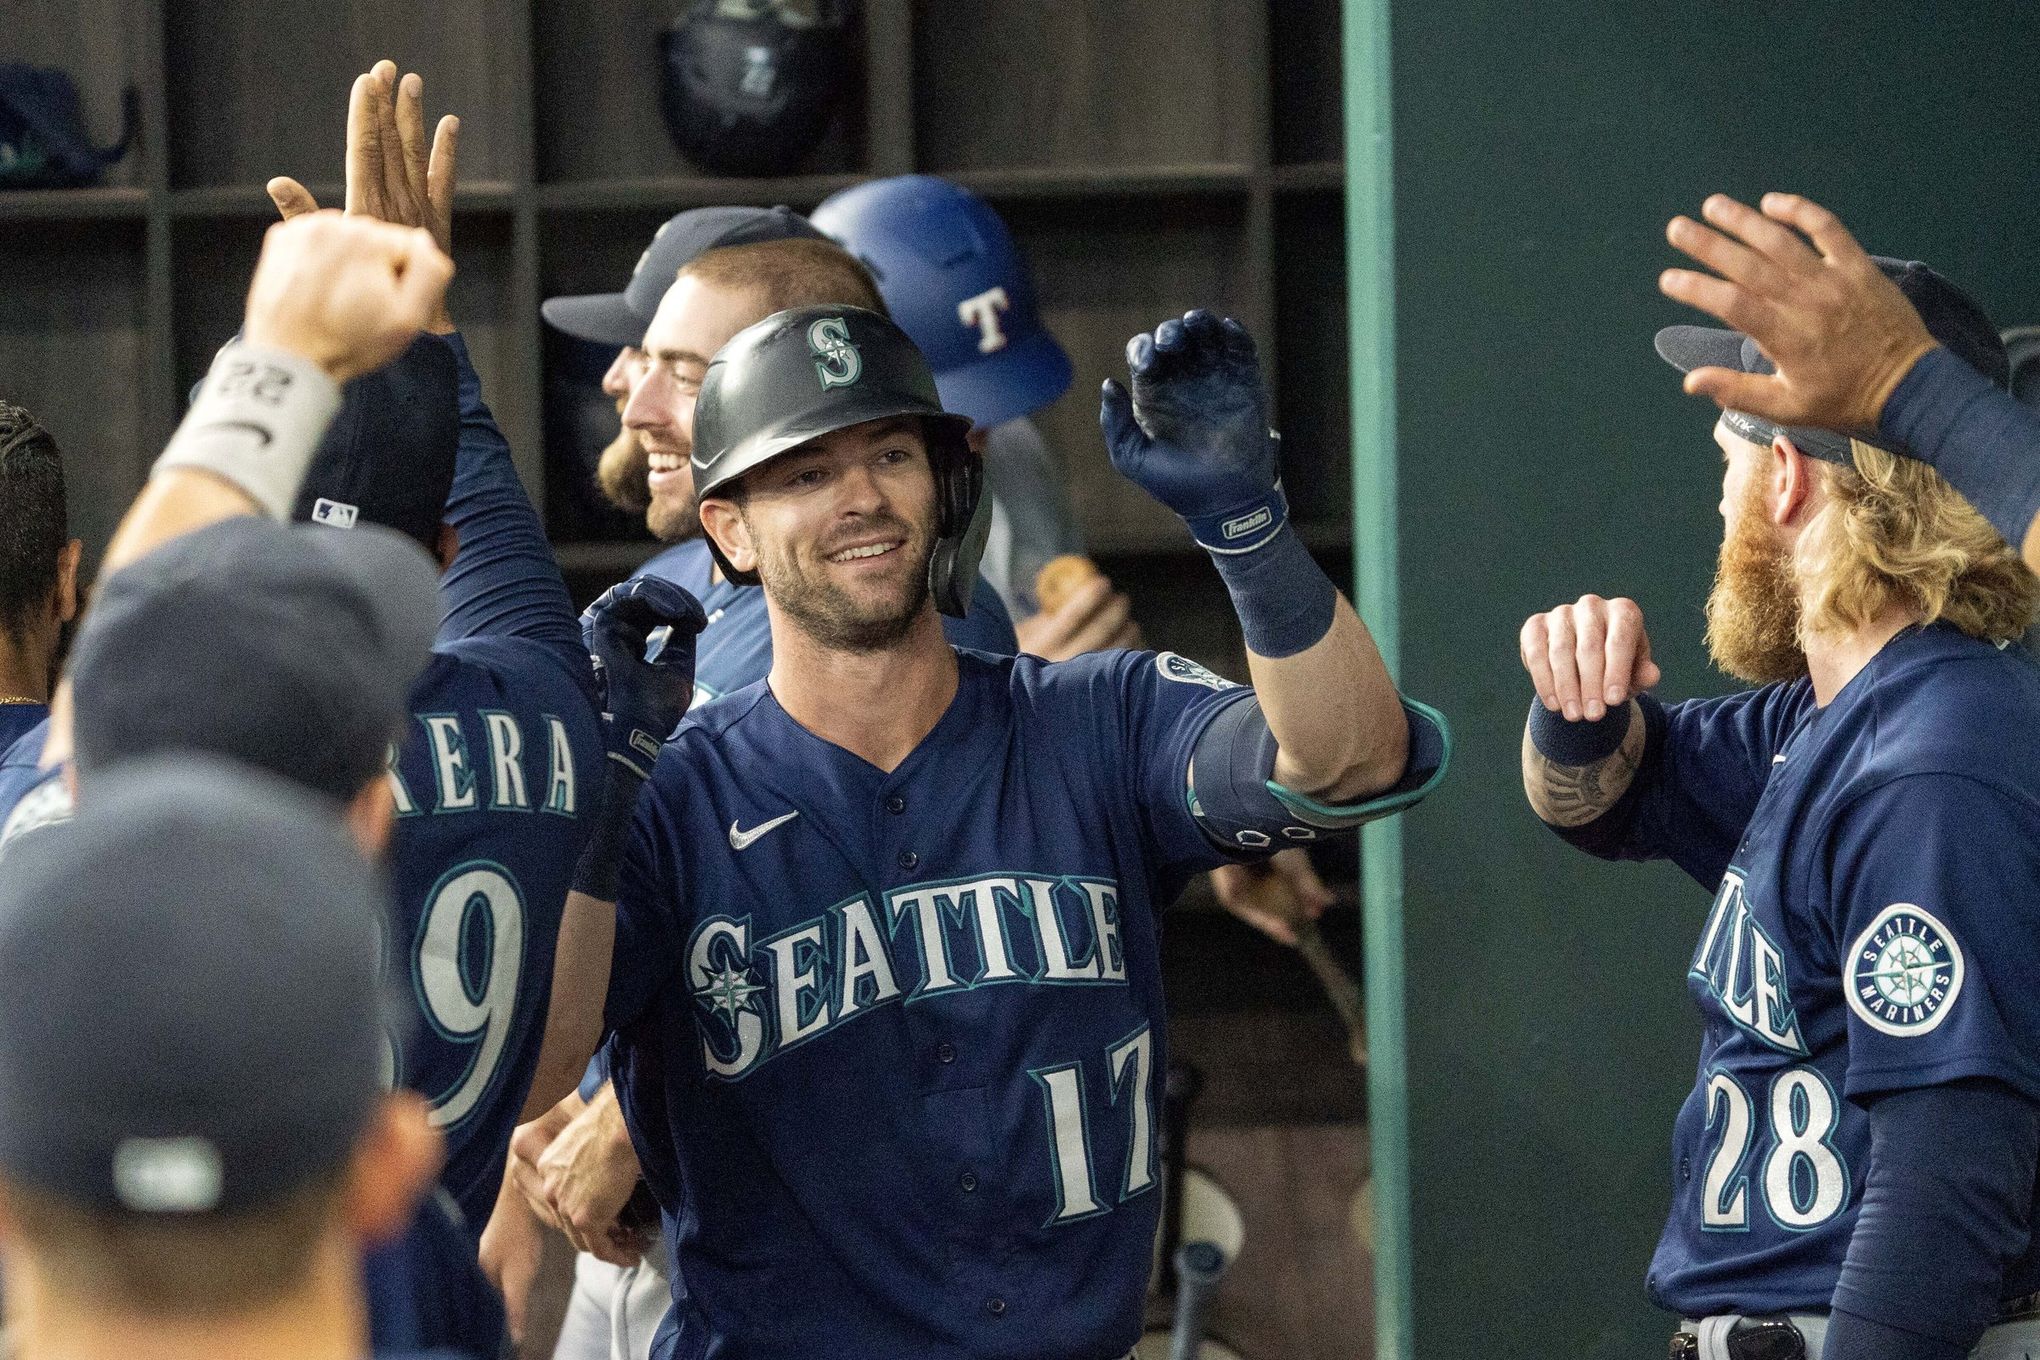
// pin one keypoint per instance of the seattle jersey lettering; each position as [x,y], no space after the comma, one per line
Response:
[761,997]
[1745,969]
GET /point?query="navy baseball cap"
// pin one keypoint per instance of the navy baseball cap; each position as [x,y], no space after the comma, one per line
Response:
[1951,316]
[290,648]
[389,456]
[190,1017]
[959,287]
[620,318]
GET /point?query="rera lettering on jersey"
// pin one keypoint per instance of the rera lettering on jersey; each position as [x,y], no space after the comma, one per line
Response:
[1745,969]
[760,997]
[481,760]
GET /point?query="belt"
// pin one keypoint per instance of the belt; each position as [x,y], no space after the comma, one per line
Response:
[1740,1338]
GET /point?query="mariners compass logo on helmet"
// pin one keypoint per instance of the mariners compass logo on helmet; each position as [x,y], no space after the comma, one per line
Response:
[836,358]
[1904,971]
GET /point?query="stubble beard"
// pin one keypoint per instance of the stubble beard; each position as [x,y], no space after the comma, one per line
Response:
[834,618]
[1753,609]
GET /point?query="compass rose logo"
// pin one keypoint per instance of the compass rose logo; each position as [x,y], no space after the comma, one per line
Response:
[728,991]
[1904,971]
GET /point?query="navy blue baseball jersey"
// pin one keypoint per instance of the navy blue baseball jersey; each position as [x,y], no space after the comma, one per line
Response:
[497,779]
[16,720]
[890,1045]
[1875,928]
[736,647]
[29,796]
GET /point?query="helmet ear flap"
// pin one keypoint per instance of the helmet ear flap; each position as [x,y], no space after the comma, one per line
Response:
[963,523]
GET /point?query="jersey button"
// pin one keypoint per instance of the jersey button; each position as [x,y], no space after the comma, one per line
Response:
[908,859]
[946,1051]
[995,1306]
[1685,1168]
[895,804]
[968,1180]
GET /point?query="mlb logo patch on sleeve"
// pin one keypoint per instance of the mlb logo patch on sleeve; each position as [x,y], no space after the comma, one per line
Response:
[339,514]
[1905,971]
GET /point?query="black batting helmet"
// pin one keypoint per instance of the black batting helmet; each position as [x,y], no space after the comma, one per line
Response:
[749,84]
[807,371]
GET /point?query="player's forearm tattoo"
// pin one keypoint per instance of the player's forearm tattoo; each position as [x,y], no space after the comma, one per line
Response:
[1573,795]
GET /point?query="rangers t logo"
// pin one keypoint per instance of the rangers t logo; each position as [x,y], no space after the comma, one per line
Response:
[837,361]
[982,314]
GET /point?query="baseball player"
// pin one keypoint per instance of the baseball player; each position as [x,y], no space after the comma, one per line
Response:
[1844,349]
[1854,1169]
[38,571]
[218,1204]
[38,595]
[886,983]
[956,282]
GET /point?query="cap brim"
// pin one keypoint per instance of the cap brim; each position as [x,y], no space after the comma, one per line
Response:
[1016,381]
[600,318]
[1689,347]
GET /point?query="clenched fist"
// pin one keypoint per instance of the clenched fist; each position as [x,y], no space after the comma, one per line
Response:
[1589,656]
[346,293]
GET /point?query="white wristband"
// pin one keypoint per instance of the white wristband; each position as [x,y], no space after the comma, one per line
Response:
[257,421]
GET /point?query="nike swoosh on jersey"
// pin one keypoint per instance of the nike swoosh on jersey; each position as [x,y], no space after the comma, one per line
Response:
[742,840]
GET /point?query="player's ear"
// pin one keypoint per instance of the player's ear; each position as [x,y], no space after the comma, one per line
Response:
[447,546]
[67,580]
[392,1167]
[371,815]
[722,521]
[1791,479]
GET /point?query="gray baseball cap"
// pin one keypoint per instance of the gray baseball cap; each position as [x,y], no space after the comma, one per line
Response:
[291,648]
[620,318]
[190,1018]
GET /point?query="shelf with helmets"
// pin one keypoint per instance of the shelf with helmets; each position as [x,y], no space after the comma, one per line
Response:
[1148,156]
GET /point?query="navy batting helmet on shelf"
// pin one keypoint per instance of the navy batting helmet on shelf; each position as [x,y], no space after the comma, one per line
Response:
[809,371]
[957,284]
[749,84]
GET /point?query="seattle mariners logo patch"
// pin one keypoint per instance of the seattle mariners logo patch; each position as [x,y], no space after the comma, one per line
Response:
[1185,671]
[1905,971]
[837,361]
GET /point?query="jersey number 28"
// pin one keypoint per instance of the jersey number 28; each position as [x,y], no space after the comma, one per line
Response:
[1803,1180]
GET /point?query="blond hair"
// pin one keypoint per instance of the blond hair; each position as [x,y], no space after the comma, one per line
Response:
[795,272]
[1893,533]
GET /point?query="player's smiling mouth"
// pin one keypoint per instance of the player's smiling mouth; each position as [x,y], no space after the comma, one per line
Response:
[864,551]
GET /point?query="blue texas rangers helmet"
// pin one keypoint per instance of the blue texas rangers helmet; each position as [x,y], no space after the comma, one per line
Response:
[808,371]
[952,277]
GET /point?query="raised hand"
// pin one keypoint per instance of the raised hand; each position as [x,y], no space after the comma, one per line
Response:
[1587,657]
[641,635]
[392,175]
[346,293]
[1794,280]
[1194,431]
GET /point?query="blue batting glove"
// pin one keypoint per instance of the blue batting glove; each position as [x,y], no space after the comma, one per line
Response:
[1194,433]
[640,635]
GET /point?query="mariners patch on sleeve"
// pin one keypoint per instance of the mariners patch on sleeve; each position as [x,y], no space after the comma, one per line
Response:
[1185,671]
[1905,971]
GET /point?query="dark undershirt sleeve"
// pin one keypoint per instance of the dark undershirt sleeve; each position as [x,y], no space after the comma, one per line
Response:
[1947,1209]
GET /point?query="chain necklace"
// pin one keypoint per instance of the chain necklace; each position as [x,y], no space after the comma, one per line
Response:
[17,699]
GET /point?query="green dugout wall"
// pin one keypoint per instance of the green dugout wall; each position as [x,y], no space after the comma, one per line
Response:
[1517,443]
